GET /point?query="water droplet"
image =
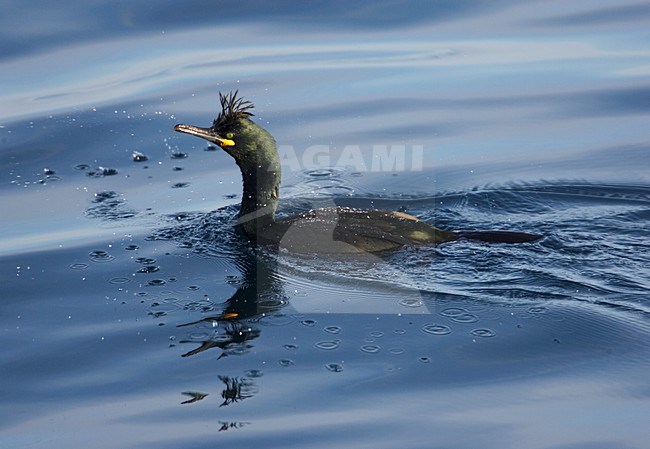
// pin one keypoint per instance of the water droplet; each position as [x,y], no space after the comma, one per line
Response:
[411,302]
[131,247]
[400,331]
[486,333]
[180,185]
[286,362]
[100,172]
[79,266]
[101,256]
[332,329]
[396,351]
[371,349]
[453,311]
[232,280]
[179,155]
[139,157]
[270,302]
[290,347]
[145,260]
[274,320]
[148,269]
[198,336]
[309,323]
[161,309]
[119,280]
[376,334]
[320,173]
[334,367]
[156,282]
[465,318]
[537,309]
[328,345]
[425,359]
[254,373]
[436,329]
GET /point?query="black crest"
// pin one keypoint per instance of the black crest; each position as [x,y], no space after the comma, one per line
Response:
[232,108]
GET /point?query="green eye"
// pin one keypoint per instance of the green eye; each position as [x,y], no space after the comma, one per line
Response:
[229,135]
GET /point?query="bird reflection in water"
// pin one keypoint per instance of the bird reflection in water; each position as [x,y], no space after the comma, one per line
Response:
[235,326]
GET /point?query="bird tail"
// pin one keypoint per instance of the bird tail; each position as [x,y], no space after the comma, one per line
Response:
[499,236]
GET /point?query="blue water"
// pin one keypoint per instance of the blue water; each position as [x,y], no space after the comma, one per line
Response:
[116,274]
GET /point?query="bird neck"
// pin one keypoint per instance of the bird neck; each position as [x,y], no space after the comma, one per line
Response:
[261,194]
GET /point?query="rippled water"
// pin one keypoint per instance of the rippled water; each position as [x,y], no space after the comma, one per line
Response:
[133,315]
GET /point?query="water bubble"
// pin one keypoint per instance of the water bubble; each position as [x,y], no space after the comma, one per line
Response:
[274,320]
[332,329]
[486,333]
[334,367]
[371,349]
[309,323]
[148,269]
[436,329]
[286,362]
[328,345]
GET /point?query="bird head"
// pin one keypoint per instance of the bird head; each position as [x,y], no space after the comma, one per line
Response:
[249,144]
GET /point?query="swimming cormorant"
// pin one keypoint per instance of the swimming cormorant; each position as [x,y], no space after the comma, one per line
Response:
[326,230]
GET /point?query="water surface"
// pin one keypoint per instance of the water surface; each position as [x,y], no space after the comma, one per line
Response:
[134,316]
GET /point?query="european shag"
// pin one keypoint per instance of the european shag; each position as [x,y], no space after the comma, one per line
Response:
[326,230]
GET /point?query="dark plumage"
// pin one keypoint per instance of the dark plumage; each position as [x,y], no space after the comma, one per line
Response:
[330,230]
